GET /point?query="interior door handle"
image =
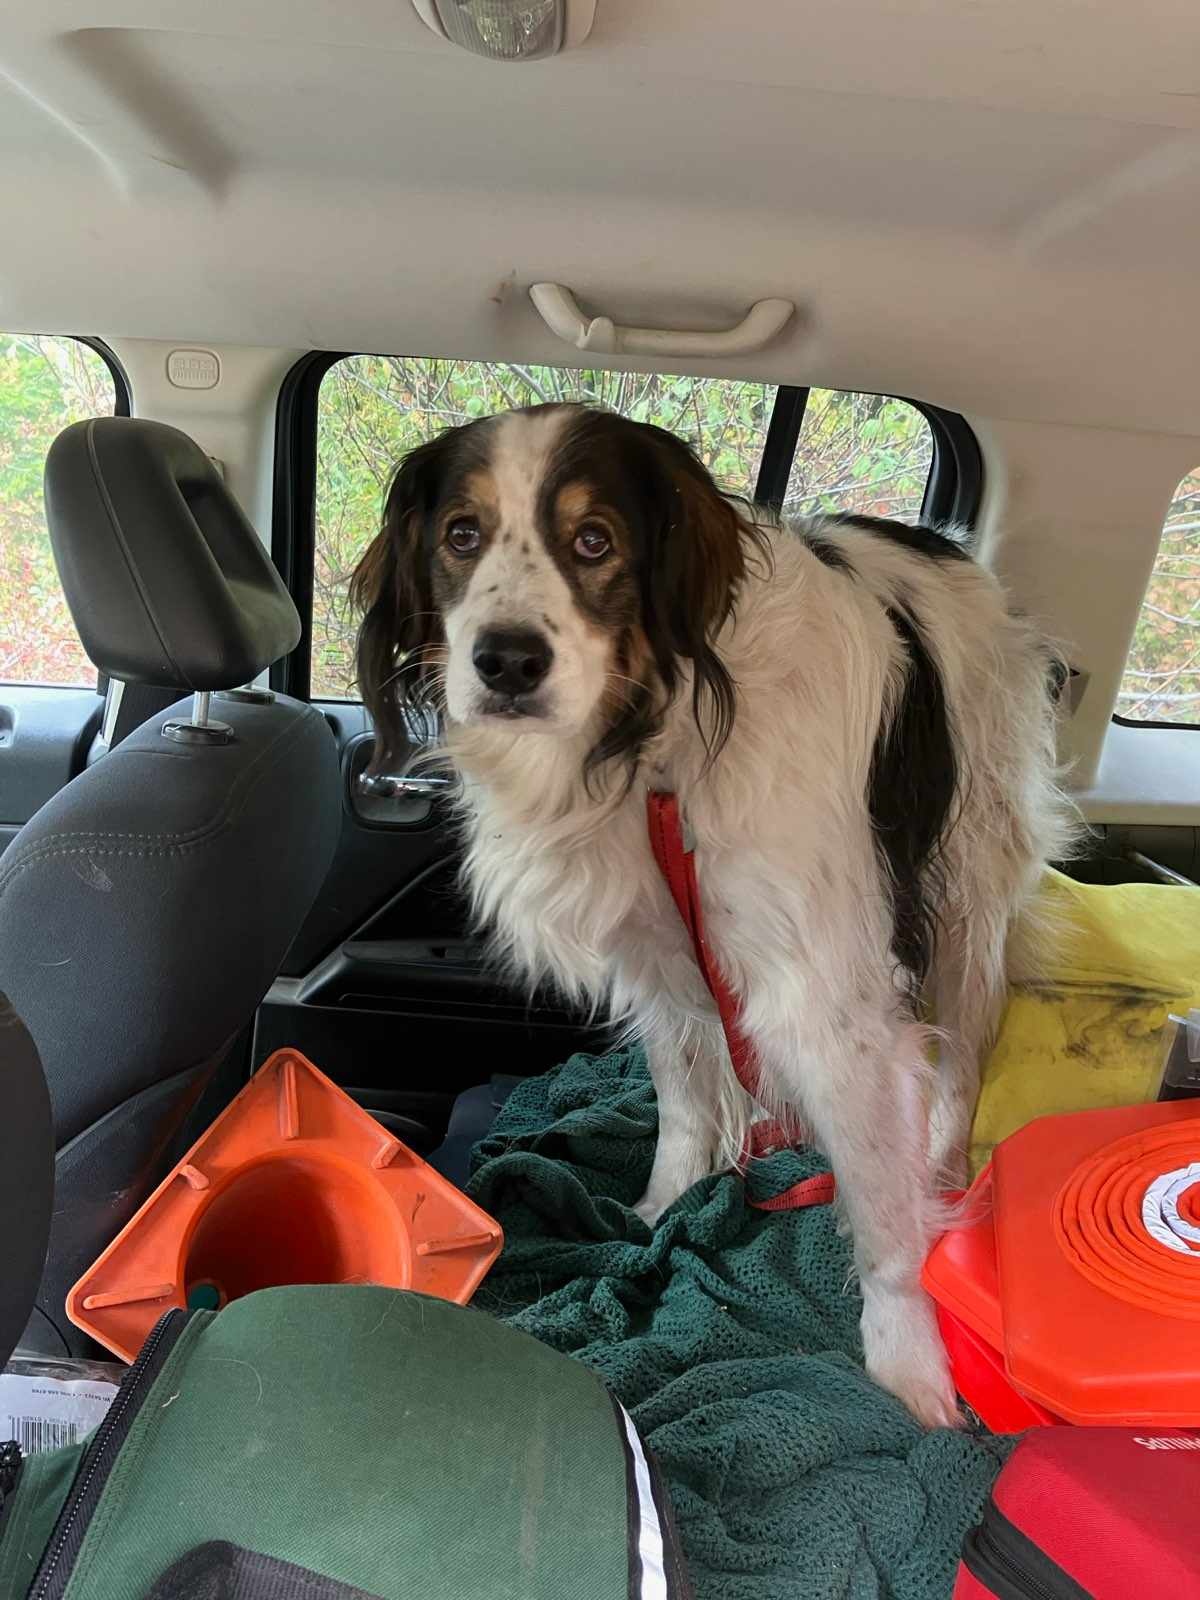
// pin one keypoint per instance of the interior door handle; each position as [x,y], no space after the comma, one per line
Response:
[402,786]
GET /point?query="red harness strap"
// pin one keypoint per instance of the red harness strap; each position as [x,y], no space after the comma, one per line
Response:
[678,867]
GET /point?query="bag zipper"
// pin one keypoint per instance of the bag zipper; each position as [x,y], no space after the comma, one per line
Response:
[11,1462]
[1001,1557]
[54,1571]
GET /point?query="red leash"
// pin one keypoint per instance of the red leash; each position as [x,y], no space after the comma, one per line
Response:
[678,867]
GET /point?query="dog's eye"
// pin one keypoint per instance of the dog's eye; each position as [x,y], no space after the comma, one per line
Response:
[463,536]
[591,543]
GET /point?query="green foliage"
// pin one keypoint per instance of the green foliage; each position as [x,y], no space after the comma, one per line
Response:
[856,453]
[45,383]
[1162,676]
[865,453]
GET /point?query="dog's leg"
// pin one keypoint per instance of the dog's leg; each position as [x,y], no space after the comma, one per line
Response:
[969,994]
[864,1096]
[687,1066]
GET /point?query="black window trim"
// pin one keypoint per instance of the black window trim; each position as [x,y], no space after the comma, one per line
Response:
[953,491]
[1135,722]
[954,488]
[294,507]
[779,447]
[123,402]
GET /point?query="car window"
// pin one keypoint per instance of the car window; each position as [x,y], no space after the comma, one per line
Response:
[45,383]
[1162,674]
[865,453]
[855,452]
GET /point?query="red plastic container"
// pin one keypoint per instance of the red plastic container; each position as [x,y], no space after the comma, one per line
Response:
[962,1276]
[980,1378]
[1071,1292]
[961,1273]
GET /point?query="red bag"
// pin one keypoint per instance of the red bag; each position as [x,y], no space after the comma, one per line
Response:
[1090,1514]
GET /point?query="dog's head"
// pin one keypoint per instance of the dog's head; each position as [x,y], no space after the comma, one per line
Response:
[551,570]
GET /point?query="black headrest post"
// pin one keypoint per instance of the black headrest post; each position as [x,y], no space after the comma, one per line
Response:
[200,727]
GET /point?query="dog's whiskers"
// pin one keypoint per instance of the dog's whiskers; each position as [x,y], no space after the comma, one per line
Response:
[619,680]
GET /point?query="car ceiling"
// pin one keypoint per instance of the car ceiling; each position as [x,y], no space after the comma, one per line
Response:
[994,205]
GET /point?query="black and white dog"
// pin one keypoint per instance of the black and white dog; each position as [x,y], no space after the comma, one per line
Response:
[861,737]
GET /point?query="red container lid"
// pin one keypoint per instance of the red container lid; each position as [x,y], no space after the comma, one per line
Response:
[1097,1229]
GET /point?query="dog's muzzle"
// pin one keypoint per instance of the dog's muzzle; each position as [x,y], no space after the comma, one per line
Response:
[512,663]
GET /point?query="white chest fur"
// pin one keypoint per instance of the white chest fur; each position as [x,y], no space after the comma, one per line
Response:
[584,907]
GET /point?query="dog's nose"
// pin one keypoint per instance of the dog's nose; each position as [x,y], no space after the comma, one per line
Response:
[512,661]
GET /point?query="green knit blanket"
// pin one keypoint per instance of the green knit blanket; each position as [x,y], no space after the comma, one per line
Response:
[732,1336]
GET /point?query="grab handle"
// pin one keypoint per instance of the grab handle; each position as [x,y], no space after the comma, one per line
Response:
[560,311]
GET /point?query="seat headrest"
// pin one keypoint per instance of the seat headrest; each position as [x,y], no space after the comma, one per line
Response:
[166,579]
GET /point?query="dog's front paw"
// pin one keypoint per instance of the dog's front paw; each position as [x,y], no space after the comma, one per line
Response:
[929,1396]
[905,1355]
[651,1206]
[678,1164]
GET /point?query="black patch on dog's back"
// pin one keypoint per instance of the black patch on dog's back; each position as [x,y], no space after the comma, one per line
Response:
[829,554]
[911,792]
[913,536]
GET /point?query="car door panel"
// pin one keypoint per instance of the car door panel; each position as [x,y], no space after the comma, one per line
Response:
[385,988]
[45,735]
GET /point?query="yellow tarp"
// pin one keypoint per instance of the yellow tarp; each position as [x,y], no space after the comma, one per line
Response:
[1092,1031]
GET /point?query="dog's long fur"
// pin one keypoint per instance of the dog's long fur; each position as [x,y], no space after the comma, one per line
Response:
[861,735]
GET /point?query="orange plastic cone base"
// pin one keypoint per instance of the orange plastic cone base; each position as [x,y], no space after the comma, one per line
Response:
[293,1183]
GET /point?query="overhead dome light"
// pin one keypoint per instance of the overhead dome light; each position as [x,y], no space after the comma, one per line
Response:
[509,30]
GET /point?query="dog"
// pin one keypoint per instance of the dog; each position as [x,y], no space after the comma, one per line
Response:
[861,735]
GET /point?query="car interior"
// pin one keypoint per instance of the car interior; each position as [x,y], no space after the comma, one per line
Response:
[982,216]
[930,262]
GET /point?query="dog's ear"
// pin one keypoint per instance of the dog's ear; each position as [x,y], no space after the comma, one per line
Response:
[697,561]
[391,587]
